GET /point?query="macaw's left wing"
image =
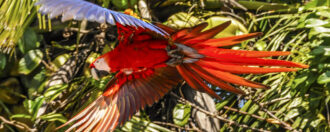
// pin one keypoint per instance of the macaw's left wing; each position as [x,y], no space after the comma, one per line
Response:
[80,10]
[125,96]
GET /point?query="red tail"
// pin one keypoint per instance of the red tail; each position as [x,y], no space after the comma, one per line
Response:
[218,65]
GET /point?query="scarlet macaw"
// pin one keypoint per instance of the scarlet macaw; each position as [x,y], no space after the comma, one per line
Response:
[151,59]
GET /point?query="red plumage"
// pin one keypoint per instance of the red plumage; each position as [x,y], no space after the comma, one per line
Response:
[147,70]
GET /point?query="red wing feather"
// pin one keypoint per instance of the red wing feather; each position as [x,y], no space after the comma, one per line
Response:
[120,102]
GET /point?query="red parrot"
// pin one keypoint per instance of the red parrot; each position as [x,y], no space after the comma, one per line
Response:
[149,62]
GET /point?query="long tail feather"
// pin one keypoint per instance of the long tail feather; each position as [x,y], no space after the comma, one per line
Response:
[203,36]
[193,32]
[238,69]
[228,77]
[217,51]
[195,81]
[214,80]
[227,41]
[235,59]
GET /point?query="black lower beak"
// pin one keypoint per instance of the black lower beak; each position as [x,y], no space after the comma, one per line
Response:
[98,74]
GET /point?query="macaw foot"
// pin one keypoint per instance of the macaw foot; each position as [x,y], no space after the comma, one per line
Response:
[176,56]
[182,54]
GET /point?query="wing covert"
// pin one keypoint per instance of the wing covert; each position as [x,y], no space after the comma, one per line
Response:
[80,10]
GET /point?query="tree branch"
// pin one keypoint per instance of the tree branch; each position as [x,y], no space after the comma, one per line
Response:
[17,124]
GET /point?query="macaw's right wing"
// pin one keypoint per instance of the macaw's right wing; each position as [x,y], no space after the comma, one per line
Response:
[80,10]
[125,96]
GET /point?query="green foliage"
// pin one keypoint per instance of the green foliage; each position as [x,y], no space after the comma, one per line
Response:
[16,15]
[306,34]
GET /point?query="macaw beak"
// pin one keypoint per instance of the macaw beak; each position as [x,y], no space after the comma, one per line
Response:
[95,74]
[98,74]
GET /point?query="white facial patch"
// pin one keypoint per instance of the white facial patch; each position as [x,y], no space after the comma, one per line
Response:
[101,65]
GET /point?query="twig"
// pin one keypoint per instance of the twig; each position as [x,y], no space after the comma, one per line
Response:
[231,14]
[243,112]
[274,100]
[17,124]
[238,5]
[176,126]
[284,124]
[79,30]
[47,66]
[194,126]
[217,116]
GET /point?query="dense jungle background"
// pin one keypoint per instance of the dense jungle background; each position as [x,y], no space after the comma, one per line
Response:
[45,79]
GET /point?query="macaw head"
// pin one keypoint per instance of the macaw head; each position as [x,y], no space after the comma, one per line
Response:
[99,68]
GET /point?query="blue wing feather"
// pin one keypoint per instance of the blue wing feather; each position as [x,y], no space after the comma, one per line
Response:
[80,9]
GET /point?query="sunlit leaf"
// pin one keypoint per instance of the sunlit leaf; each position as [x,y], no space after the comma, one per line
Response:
[324,78]
[315,22]
[30,61]
[291,114]
[182,20]
[316,122]
[21,116]
[54,91]
[54,117]
[181,114]
[295,102]
[235,28]
[60,60]
[261,45]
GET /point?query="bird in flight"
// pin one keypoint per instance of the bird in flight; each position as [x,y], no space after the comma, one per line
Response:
[151,59]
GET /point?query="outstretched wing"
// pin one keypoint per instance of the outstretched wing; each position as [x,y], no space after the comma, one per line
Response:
[120,101]
[80,9]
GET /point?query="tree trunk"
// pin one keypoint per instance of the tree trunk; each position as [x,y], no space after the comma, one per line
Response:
[204,122]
